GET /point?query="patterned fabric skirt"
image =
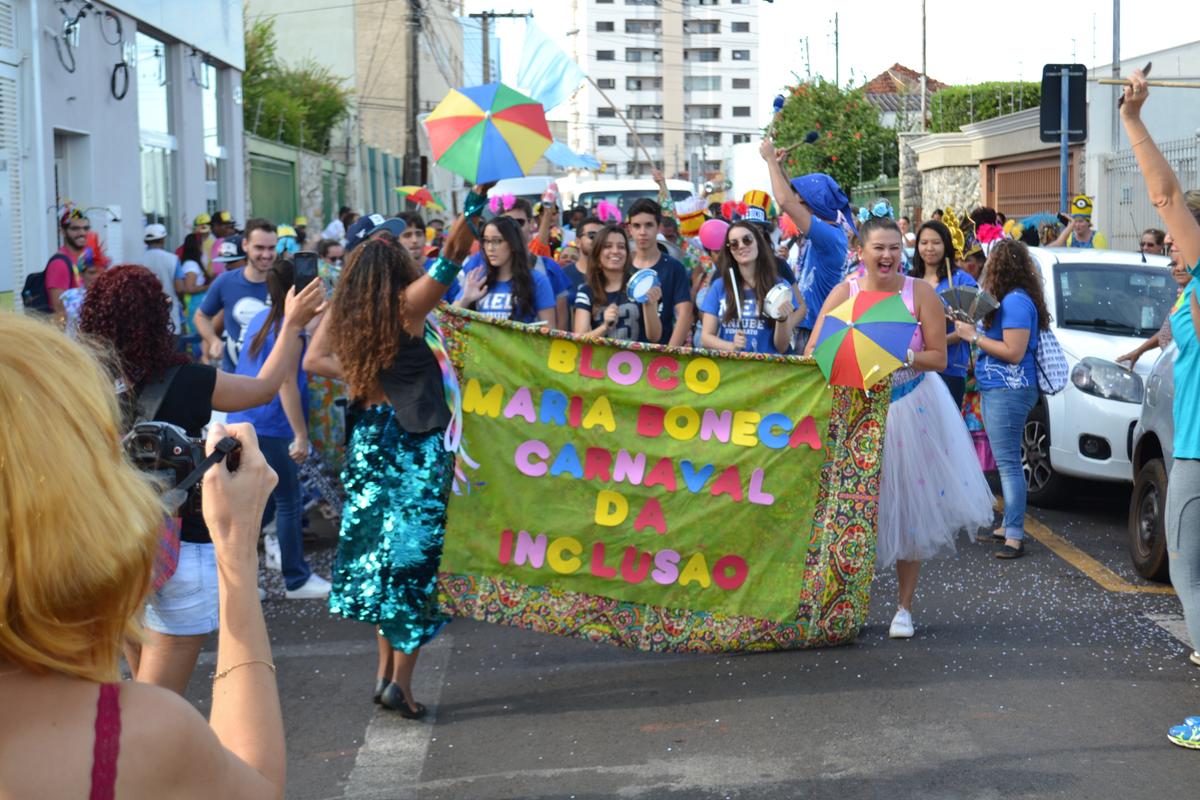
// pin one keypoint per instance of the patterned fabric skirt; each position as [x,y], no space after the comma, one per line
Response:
[393,525]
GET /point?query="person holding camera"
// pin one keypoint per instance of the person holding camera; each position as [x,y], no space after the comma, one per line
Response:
[127,311]
[282,428]
[77,557]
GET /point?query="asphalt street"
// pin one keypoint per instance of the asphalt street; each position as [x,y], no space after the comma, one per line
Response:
[1026,678]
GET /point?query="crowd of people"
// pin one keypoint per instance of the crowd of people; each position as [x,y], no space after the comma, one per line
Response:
[348,369]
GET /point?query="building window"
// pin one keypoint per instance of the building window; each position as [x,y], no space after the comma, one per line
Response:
[643,84]
[741,138]
[702,112]
[607,83]
[214,146]
[639,168]
[643,54]
[706,138]
[741,83]
[647,139]
[702,54]
[606,55]
[741,111]
[604,2]
[608,112]
[702,83]
[702,26]
[741,27]
[604,27]
[643,2]
[703,2]
[606,141]
[741,55]
[157,142]
[644,112]
[643,26]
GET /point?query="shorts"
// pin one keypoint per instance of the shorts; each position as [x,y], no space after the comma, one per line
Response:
[188,604]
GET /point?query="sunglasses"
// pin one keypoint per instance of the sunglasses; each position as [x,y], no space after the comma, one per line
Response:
[592,235]
[745,241]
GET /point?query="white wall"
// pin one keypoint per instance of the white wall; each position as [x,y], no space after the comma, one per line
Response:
[212,26]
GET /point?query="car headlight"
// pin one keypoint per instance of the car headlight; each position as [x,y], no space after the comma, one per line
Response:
[1108,380]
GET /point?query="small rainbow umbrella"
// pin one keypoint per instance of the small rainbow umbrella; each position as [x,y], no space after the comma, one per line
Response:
[865,339]
[486,133]
[420,196]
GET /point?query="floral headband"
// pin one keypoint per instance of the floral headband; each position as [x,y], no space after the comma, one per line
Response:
[881,209]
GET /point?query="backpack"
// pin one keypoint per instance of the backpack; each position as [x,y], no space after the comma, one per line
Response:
[34,295]
[1052,369]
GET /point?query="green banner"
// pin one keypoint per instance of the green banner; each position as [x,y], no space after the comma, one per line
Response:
[688,484]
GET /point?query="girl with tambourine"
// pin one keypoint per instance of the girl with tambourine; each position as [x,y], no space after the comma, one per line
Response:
[614,301]
[754,312]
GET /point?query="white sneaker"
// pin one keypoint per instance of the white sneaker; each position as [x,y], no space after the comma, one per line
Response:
[262,594]
[902,625]
[271,554]
[1195,657]
[315,588]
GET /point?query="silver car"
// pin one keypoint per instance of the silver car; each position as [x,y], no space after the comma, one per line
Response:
[1151,459]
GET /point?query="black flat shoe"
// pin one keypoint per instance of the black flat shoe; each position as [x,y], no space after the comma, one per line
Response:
[380,686]
[394,699]
[1008,551]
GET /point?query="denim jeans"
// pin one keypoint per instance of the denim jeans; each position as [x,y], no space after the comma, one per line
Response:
[288,510]
[1183,540]
[1004,415]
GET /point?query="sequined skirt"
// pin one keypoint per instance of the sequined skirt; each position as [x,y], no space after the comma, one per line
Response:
[393,524]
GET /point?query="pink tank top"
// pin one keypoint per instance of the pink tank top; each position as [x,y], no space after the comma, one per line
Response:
[107,745]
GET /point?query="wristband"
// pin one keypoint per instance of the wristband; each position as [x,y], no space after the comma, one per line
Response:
[474,204]
[444,270]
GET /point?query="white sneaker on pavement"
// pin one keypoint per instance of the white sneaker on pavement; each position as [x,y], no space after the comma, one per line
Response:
[271,555]
[262,594]
[1195,657]
[902,624]
[315,588]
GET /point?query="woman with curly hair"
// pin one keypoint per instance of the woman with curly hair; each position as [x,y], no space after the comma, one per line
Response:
[1006,373]
[127,312]
[399,463]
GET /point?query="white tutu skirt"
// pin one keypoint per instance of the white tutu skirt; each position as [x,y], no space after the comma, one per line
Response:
[932,487]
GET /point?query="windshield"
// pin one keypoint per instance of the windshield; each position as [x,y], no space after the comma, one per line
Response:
[624,199]
[1113,298]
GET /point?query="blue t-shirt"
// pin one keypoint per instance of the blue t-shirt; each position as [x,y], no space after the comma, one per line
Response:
[241,300]
[759,330]
[1187,378]
[1016,311]
[676,288]
[822,266]
[498,302]
[629,325]
[958,356]
[269,419]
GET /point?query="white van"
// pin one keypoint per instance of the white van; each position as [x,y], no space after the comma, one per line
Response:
[531,187]
[622,193]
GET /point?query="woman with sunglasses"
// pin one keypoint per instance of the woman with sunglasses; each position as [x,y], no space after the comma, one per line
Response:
[505,286]
[602,303]
[734,308]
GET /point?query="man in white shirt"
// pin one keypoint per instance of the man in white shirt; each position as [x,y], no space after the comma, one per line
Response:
[163,264]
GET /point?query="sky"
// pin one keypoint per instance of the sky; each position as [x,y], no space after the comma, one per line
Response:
[966,42]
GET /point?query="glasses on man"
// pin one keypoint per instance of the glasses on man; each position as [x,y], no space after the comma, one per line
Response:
[745,241]
[592,235]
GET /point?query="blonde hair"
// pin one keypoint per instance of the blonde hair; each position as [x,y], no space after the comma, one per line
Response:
[78,524]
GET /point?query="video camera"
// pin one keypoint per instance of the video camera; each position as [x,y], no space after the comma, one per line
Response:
[177,461]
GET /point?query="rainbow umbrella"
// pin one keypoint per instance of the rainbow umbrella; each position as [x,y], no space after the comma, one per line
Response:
[486,133]
[865,339]
[419,195]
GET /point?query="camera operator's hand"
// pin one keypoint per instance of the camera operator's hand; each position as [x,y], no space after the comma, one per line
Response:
[299,309]
[233,502]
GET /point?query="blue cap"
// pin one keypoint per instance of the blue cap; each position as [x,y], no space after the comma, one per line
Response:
[367,226]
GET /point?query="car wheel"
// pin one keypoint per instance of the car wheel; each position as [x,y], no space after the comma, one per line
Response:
[1147,522]
[1046,487]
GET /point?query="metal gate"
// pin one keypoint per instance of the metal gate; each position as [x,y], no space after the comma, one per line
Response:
[1130,211]
[272,189]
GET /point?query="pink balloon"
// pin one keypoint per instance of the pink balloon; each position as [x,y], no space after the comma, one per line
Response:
[712,234]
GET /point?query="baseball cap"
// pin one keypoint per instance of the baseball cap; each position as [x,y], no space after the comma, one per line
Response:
[154,232]
[301,222]
[367,226]
[202,219]
[230,250]
[222,216]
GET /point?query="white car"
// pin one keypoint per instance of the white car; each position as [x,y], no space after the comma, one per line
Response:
[1104,303]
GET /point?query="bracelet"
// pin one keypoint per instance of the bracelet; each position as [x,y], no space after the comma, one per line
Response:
[1142,140]
[444,270]
[225,672]
[473,205]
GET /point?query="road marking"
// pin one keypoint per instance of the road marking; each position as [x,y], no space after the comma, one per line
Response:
[329,649]
[392,756]
[1174,625]
[1102,575]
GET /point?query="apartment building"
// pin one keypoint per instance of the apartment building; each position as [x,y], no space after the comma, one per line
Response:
[683,72]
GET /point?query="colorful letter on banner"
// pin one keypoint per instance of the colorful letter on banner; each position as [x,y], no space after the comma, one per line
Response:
[659,499]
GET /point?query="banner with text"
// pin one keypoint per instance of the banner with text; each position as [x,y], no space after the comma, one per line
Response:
[659,499]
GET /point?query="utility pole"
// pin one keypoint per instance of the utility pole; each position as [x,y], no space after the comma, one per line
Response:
[837,53]
[924,79]
[485,29]
[412,155]
[1116,73]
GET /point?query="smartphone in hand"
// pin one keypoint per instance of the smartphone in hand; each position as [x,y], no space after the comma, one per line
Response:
[304,264]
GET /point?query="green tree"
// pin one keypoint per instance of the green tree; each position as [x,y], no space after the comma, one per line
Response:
[298,105]
[851,145]
[955,106]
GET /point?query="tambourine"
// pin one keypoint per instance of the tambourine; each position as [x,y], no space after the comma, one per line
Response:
[640,285]
[779,302]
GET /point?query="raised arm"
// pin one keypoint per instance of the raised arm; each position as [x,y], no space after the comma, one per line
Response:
[785,196]
[426,292]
